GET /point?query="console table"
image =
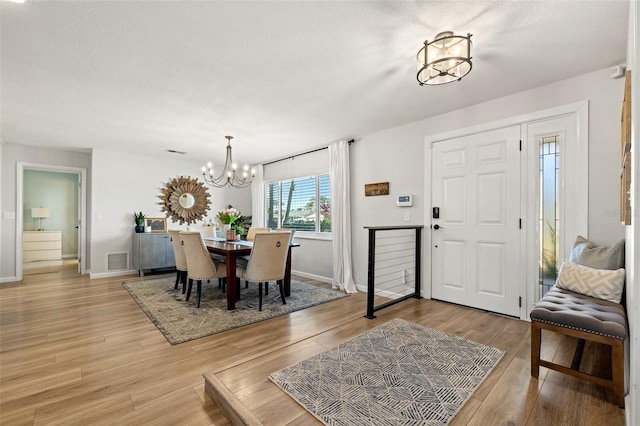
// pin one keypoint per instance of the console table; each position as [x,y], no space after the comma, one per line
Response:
[152,251]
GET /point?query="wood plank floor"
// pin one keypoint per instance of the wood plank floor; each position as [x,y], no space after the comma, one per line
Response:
[80,351]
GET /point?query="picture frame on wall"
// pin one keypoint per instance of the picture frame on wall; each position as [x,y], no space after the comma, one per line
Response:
[157,224]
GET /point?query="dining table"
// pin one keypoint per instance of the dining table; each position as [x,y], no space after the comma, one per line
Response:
[232,250]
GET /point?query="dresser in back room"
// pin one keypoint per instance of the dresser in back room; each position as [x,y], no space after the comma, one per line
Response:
[41,252]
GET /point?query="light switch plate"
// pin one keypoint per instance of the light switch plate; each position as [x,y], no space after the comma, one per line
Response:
[9,215]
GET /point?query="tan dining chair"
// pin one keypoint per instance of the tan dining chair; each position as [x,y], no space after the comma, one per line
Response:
[181,260]
[267,262]
[200,266]
[293,232]
[251,233]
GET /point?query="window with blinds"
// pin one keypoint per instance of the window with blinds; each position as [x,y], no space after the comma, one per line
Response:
[303,204]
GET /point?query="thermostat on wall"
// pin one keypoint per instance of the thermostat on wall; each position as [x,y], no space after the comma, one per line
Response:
[404,200]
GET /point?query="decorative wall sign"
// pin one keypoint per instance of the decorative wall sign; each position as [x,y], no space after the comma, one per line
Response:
[185,200]
[381,188]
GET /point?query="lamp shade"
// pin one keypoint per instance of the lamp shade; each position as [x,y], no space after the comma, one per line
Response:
[39,212]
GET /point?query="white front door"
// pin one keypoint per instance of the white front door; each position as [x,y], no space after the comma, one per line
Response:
[476,239]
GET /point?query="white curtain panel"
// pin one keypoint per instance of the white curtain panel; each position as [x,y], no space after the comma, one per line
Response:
[341,217]
[257,198]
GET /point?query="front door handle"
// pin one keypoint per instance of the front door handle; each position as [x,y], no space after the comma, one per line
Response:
[436,227]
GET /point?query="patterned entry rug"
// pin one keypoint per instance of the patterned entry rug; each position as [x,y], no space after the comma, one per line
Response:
[399,373]
[181,321]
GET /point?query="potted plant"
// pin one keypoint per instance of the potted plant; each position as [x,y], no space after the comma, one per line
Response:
[139,221]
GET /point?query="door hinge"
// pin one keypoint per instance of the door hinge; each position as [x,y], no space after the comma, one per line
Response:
[520,223]
[520,144]
[520,302]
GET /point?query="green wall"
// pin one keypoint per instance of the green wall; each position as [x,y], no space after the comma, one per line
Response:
[59,193]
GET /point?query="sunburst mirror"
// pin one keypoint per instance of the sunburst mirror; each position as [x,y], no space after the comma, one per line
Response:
[185,199]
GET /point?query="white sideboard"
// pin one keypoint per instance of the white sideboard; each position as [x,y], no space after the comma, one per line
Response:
[41,251]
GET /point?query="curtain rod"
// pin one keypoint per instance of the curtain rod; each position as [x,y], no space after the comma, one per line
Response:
[291,157]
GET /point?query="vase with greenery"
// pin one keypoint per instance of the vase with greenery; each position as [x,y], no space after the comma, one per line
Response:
[138,219]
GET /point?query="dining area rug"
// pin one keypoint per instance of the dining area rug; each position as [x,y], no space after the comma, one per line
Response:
[399,373]
[180,321]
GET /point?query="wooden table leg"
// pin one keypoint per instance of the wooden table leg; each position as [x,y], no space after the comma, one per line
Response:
[287,275]
[231,281]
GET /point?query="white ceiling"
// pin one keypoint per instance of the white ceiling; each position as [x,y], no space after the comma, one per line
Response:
[282,77]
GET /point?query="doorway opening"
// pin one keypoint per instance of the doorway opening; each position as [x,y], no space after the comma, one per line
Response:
[60,191]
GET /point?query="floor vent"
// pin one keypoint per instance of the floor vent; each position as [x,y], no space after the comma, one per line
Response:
[117,261]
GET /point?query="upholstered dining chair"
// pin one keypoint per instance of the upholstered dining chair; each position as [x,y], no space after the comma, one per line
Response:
[200,266]
[293,232]
[267,262]
[251,233]
[181,260]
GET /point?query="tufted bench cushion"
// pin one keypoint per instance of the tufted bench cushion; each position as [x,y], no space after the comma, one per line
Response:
[574,310]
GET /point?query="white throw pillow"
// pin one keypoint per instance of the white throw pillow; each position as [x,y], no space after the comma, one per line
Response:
[600,283]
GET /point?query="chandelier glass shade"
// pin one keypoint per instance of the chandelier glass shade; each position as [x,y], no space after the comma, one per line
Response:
[230,175]
[445,59]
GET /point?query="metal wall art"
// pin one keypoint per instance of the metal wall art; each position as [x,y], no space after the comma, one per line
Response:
[185,200]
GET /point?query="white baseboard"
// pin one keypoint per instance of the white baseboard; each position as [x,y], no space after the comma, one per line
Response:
[9,280]
[113,274]
[69,256]
[313,276]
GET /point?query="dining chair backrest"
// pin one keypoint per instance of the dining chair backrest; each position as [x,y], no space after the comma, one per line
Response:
[293,232]
[251,233]
[205,231]
[200,266]
[178,251]
[268,258]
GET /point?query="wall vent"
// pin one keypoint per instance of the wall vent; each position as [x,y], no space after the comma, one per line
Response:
[117,261]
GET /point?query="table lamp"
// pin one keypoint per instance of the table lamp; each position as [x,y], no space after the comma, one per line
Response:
[40,213]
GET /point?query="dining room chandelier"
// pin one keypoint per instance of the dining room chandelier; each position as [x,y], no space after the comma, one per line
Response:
[445,59]
[230,175]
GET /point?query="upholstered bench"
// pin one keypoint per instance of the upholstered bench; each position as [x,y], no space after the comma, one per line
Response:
[586,318]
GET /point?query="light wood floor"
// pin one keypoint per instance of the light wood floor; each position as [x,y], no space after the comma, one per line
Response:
[80,351]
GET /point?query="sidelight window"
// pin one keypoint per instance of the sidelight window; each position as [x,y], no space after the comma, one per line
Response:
[549,211]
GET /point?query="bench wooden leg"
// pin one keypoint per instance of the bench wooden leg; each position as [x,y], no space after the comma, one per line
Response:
[617,372]
[535,348]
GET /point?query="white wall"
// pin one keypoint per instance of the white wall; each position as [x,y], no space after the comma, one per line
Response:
[124,183]
[396,156]
[11,155]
